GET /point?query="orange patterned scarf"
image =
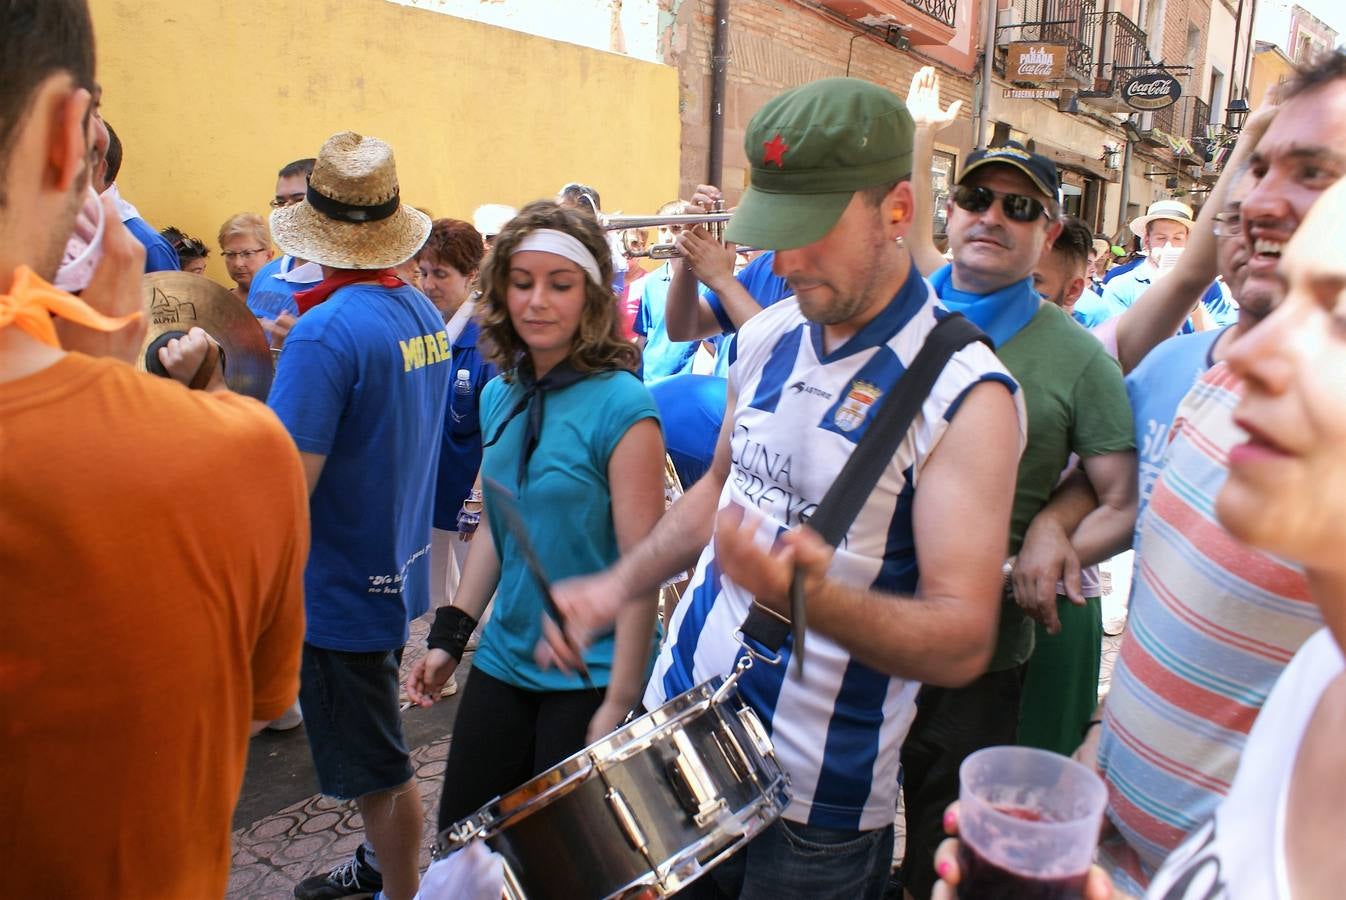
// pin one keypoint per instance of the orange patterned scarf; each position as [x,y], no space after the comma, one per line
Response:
[31,302]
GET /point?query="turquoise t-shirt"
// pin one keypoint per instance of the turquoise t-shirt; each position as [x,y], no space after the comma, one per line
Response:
[566,503]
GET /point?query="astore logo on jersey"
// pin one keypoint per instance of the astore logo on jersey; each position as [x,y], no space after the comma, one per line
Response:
[800,387]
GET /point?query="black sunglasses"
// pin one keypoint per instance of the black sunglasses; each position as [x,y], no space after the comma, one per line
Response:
[1017,207]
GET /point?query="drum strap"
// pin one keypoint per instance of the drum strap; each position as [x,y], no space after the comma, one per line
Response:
[845,498]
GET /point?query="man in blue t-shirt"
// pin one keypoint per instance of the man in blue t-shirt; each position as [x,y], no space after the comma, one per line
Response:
[159,253]
[361,389]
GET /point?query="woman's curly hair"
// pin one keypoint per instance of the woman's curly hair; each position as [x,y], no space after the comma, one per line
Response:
[599,343]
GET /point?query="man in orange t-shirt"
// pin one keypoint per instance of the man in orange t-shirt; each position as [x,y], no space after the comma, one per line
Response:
[152,539]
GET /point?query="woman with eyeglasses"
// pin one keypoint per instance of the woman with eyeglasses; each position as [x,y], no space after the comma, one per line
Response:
[245,245]
[574,435]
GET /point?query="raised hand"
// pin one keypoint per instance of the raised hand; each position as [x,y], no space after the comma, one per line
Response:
[923,101]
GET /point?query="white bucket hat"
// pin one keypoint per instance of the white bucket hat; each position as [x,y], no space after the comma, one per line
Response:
[1174,210]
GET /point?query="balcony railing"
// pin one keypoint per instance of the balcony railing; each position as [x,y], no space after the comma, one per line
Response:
[1200,119]
[1052,21]
[1121,44]
[1181,128]
[945,11]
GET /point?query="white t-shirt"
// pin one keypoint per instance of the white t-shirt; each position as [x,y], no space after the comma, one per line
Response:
[1240,853]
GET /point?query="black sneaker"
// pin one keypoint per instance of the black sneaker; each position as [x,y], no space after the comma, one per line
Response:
[353,879]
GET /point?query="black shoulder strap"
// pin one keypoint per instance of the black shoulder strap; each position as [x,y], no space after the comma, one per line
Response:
[853,485]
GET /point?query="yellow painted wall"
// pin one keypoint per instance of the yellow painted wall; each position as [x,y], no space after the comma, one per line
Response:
[1270,68]
[211,98]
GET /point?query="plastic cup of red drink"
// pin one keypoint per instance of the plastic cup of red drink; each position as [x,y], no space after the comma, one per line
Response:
[1028,823]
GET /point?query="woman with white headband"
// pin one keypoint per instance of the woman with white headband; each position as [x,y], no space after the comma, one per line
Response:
[566,423]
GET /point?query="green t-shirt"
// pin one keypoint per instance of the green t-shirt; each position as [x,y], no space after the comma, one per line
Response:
[1076,402]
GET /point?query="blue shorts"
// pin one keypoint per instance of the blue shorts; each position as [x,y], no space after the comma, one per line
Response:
[354,726]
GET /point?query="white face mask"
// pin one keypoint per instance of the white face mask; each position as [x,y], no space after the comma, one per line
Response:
[1168,257]
[85,247]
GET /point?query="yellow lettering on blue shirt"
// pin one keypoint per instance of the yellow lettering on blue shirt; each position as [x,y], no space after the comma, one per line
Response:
[424,350]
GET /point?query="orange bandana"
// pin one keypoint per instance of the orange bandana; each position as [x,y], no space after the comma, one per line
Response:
[31,303]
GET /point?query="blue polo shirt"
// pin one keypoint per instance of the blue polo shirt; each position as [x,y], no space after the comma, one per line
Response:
[159,253]
[362,383]
[763,285]
[662,356]
[691,408]
[1121,293]
[1122,269]
[460,448]
[1155,388]
[270,294]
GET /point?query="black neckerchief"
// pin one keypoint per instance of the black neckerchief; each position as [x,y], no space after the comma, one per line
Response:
[533,400]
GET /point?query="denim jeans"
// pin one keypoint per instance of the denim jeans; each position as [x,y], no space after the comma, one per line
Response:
[792,860]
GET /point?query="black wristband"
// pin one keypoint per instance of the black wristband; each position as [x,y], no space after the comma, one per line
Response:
[1088,726]
[451,630]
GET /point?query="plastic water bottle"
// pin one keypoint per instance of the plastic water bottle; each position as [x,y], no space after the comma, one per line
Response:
[462,384]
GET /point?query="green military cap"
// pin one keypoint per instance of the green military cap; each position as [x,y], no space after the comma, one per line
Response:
[811,149]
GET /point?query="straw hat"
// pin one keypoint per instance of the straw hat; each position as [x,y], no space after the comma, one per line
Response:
[1173,210]
[353,217]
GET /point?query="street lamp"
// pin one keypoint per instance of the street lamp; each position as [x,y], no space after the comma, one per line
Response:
[1236,113]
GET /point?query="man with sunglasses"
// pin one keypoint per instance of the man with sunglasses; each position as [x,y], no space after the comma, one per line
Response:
[1002,216]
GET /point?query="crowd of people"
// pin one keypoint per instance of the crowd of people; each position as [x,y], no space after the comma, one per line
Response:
[185,566]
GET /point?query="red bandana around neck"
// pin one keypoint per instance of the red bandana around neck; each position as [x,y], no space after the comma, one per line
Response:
[310,298]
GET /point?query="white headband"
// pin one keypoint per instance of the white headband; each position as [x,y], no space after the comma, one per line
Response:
[549,240]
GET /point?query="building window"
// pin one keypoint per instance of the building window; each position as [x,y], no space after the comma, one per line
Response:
[942,168]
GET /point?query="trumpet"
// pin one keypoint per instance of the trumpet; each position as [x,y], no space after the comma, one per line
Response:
[622,223]
[716,219]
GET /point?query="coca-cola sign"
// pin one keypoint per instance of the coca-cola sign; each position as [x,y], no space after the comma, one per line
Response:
[1153,90]
[1035,61]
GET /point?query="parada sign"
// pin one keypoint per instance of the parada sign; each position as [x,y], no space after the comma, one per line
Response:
[1035,61]
[1152,90]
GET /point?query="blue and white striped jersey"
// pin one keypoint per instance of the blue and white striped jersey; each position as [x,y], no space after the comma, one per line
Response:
[798,415]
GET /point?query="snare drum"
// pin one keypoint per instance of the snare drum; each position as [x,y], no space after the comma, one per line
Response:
[644,811]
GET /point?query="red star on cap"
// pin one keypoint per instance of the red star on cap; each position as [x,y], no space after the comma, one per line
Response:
[775,151]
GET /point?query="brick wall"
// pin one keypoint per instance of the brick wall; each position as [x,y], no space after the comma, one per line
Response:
[775,45]
[1178,15]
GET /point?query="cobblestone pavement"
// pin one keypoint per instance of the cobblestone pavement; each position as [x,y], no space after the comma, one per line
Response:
[285,831]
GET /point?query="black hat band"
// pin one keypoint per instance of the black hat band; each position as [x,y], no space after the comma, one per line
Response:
[350,212]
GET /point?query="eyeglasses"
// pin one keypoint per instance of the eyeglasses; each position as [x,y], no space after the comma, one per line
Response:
[287,200]
[1229,224]
[246,255]
[1017,207]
